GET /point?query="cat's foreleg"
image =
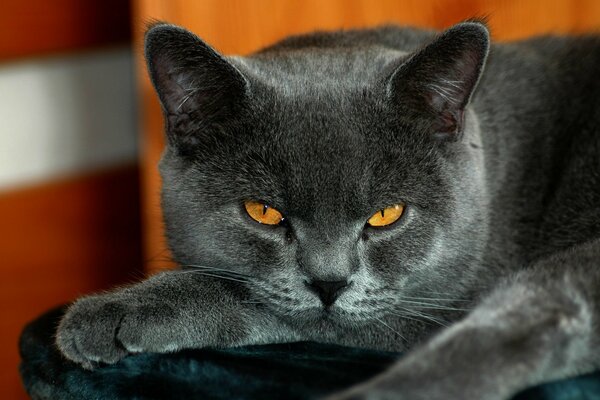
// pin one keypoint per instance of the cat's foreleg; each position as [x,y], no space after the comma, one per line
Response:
[165,313]
[540,324]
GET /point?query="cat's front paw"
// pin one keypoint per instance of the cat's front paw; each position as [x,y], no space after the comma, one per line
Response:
[104,329]
[87,333]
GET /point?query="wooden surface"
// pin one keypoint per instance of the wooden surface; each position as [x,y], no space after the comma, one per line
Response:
[59,241]
[35,27]
[241,26]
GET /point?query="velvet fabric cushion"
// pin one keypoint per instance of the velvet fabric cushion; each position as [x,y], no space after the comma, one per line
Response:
[291,371]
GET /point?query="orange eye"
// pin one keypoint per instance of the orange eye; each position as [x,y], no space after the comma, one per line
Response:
[262,213]
[386,216]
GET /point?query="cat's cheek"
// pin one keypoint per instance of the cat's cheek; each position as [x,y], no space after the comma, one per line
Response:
[398,256]
[265,250]
[280,234]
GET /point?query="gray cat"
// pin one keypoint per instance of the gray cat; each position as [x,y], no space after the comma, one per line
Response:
[389,188]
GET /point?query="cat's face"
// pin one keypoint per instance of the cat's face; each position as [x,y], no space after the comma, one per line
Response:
[327,154]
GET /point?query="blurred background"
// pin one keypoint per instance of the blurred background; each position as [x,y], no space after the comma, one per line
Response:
[81,129]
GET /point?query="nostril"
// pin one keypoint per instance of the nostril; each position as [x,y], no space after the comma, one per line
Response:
[328,291]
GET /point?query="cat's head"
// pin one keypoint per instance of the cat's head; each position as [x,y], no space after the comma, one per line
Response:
[326,138]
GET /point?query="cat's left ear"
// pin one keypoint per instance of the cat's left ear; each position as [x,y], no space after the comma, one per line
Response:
[437,81]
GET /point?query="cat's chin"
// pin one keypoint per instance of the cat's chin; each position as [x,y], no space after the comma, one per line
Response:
[334,317]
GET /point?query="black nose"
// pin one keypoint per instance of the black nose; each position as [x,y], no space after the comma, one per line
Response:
[328,291]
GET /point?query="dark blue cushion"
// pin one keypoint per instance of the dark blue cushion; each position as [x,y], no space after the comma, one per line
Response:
[292,371]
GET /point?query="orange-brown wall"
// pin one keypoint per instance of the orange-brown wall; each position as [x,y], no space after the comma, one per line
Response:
[241,26]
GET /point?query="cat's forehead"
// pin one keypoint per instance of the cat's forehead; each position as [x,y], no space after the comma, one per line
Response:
[324,133]
[329,160]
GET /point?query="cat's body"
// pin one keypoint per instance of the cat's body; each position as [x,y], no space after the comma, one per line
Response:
[502,204]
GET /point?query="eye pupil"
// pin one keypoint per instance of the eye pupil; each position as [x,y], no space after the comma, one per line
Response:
[263,213]
[386,216]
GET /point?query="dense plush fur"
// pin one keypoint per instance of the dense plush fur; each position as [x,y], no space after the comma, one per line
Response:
[495,153]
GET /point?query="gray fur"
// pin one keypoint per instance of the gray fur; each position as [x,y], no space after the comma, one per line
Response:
[491,277]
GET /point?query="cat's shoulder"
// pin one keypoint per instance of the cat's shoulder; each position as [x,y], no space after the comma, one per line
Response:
[553,58]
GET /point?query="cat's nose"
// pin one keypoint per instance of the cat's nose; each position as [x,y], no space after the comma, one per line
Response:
[328,291]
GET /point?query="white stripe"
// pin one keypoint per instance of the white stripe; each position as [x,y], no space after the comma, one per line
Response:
[64,115]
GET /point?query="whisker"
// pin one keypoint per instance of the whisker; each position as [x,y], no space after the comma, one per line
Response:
[434,298]
[441,293]
[416,318]
[404,316]
[214,275]
[207,268]
[422,315]
[390,328]
[432,306]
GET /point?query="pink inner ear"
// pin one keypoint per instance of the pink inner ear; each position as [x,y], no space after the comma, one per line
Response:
[448,122]
[441,96]
[439,79]
[170,85]
[452,88]
[448,94]
[445,101]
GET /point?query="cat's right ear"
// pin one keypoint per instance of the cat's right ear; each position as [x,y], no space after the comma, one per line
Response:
[197,87]
[436,83]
